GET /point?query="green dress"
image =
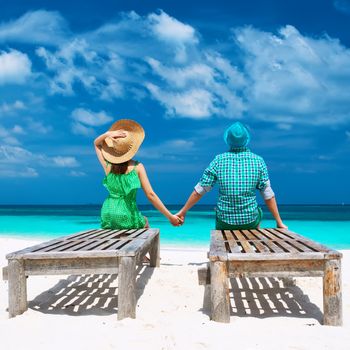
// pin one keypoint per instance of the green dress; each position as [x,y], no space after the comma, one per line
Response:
[119,210]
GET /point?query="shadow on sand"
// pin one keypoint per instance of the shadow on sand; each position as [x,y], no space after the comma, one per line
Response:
[266,297]
[87,294]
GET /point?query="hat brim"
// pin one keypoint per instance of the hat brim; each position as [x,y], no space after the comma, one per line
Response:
[137,134]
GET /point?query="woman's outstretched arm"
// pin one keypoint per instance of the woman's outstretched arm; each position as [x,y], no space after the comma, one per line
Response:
[98,144]
[153,198]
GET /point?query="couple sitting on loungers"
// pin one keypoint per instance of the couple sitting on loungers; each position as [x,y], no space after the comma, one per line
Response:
[238,172]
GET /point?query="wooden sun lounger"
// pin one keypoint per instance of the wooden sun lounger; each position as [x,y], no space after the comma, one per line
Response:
[270,253]
[88,252]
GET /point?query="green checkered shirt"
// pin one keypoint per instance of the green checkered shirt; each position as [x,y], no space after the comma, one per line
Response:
[238,173]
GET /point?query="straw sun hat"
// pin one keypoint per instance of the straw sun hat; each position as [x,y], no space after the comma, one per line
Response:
[120,150]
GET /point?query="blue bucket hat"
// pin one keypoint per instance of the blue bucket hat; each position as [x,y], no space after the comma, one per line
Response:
[237,135]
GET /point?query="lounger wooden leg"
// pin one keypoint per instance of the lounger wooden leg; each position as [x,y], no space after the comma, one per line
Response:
[155,252]
[220,301]
[17,286]
[126,288]
[332,293]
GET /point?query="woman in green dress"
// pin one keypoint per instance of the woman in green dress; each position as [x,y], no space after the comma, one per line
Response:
[124,176]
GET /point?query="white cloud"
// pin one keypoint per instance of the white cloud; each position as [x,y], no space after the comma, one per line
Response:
[80,129]
[174,149]
[66,72]
[294,78]
[14,154]
[90,118]
[173,32]
[110,62]
[286,77]
[17,129]
[96,72]
[16,158]
[8,108]
[15,67]
[199,90]
[36,27]
[37,126]
[194,103]
[7,137]
[75,173]
[170,29]
[65,162]
[85,120]
[22,172]
[180,77]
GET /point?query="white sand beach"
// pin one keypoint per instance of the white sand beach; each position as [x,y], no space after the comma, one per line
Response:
[70,312]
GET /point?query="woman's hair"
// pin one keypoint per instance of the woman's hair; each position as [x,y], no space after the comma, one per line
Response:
[120,168]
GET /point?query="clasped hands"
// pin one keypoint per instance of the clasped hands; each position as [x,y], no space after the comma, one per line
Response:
[178,219]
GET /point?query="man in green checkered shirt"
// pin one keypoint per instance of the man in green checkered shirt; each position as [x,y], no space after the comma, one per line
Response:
[238,173]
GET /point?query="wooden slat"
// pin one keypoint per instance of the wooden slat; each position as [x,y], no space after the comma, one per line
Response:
[266,234]
[330,253]
[260,248]
[249,235]
[257,241]
[22,252]
[302,247]
[283,234]
[275,248]
[52,247]
[274,256]
[257,234]
[136,233]
[91,246]
[109,235]
[118,244]
[80,246]
[288,247]
[80,235]
[217,246]
[247,248]
[97,234]
[234,247]
[132,248]
[69,246]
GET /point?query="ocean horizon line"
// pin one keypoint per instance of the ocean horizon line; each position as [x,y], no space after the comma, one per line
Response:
[167,204]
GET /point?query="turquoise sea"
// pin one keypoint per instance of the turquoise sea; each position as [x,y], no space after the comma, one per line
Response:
[328,224]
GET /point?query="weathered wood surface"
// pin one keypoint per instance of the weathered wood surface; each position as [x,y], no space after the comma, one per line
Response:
[265,244]
[276,268]
[88,252]
[17,288]
[219,294]
[217,247]
[126,288]
[271,253]
[155,252]
[91,243]
[332,293]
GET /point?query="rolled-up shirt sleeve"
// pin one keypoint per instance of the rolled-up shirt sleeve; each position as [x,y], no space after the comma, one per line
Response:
[208,178]
[267,192]
[264,185]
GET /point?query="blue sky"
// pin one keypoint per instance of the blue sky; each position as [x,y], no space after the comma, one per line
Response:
[185,71]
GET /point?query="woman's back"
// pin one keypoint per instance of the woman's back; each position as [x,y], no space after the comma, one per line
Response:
[119,210]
